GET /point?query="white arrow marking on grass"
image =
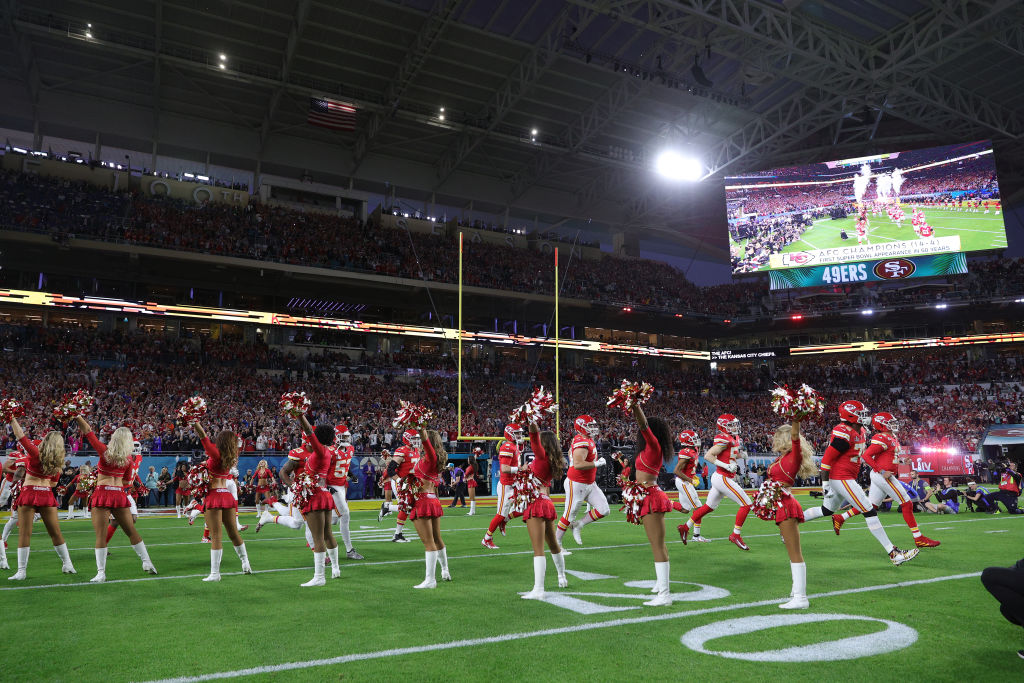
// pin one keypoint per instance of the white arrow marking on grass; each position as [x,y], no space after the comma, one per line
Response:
[587,576]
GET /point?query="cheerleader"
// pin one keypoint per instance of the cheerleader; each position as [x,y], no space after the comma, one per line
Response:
[426,512]
[265,485]
[15,459]
[317,508]
[472,467]
[794,461]
[541,519]
[385,483]
[220,506]
[42,468]
[80,497]
[181,492]
[657,440]
[109,497]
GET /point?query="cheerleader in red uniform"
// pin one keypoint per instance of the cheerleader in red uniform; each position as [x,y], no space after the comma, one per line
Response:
[472,467]
[220,508]
[541,519]
[42,468]
[317,508]
[265,486]
[657,441]
[80,497]
[181,492]
[109,497]
[426,513]
[794,461]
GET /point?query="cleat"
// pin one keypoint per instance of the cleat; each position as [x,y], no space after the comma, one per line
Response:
[191,520]
[384,512]
[265,518]
[563,582]
[427,583]
[796,602]
[738,540]
[837,522]
[701,539]
[533,595]
[399,538]
[445,575]
[206,539]
[148,568]
[246,569]
[335,573]
[659,601]
[315,581]
[488,543]
[898,556]
[243,528]
[353,555]
[684,531]
[576,533]
[925,542]
[501,527]
[99,578]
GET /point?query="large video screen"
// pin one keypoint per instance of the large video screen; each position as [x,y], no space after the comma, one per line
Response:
[941,200]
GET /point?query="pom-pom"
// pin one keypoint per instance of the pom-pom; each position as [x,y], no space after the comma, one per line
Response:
[525,490]
[192,410]
[303,488]
[798,404]
[294,403]
[768,500]
[541,405]
[198,480]
[86,484]
[161,486]
[633,495]
[73,405]
[10,409]
[409,489]
[61,491]
[411,415]
[630,394]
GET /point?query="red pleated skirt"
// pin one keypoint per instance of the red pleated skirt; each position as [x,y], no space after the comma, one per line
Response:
[790,509]
[655,501]
[427,505]
[36,496]
[541,507]
[219,499]
[321,500]
[108,497]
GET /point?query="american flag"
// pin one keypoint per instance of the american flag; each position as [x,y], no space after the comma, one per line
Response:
[332,114]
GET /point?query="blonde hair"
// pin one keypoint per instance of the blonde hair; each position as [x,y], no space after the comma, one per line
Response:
[263,464]
[52,453]
[120,447]
[782,441]
[85,469]
[442,454]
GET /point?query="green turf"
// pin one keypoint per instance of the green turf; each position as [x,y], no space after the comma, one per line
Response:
[175,625]
[977,231]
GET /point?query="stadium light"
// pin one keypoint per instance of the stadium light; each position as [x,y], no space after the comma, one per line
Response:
[674,166]
[867,311]
[627,309]
[796,316]
[940,306]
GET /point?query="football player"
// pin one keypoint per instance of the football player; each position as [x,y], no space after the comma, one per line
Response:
[723,454]
[839,469]
[686,466]
[882,457]
[402,463]
[580,483]
[337,481]
[509,459]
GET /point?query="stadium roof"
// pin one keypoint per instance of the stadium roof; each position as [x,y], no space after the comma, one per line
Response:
[605,83]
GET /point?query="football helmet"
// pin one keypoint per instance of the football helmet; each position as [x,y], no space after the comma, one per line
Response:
[587,426]
[478,451]
[728,423]
[411,438]
[385,453]
[514,433]
[855,412]
[343,436]
[689,439]
[136,448]
[885,422]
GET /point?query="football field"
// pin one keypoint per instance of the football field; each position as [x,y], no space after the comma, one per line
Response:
[977,231]
[929,619]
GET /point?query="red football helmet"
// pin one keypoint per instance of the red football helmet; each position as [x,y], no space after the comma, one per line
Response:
[587,426]
[478,451]
[411,438]
[689,439]
[855,412]
[514,433]
[342,435]
[385,453]
[728,423]
[885,422]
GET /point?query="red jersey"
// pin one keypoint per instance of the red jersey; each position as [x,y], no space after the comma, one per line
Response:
[341,460]
[650,459]
[845,464]
[881,454]
[785,467]
[583,476]
[926,230]
[730,454]
[217,471]
[135,462]
[688,457]
[20,458]
[508,454]
[410,456]
[540,466]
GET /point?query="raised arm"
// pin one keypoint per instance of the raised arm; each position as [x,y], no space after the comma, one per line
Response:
[641,419]
[83,426]
[200,432]
[19,433]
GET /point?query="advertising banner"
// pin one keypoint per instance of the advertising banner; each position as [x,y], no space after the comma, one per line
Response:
[884,270]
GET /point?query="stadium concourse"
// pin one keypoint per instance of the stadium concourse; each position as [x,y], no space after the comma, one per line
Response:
[405,336]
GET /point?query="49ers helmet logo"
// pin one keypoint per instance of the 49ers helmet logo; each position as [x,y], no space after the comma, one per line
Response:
[895,268]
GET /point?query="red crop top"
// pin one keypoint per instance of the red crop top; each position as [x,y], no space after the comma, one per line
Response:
[650,459]
[785,467]
[541,466]
[426,466]
[318,463]
[32,465]
[213,460]
[104,468]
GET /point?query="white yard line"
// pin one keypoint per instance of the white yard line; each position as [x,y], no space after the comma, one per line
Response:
[522,635]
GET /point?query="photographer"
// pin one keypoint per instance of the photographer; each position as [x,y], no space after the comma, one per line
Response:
[1009,488]
[977,499]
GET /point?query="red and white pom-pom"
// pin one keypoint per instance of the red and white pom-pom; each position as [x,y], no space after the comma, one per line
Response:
[633,495]
[303,487]
[86,484]
[525,490]
[81,402]
[412,415]
[192,410]
[540,406]
[10,409]
[801,403]
[198,480]
[63,413]
[630,394]
[294,403]
[768,500]
[409,489]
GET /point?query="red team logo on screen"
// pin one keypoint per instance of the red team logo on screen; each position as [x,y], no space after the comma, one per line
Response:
[895,269]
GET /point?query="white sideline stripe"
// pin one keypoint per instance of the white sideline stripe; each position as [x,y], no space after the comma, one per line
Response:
[504,638]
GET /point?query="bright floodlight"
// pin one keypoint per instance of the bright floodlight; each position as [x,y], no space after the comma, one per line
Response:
[673,165]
